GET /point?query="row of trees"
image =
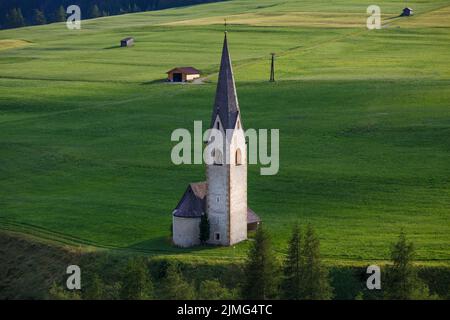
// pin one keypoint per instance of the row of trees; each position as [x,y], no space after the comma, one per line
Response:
[301,275]
[304,277]
[137,284]
[20,13]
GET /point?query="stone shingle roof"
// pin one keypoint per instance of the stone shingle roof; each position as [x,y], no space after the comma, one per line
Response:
[193,203]
[226,104]
[252,217]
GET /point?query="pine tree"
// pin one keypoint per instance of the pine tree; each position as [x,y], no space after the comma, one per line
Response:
[94,288]
[57,292]
[402,281]
[60,14]
[175,287]
[136,284]
[95,11]
[260,269]
[136,8]
[213,290]
[20,20]
[292,269]
[315,282]
[39,17]
[14,19]
[204,228]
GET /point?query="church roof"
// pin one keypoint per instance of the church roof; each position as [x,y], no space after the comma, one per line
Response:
[252,217]
[193,203]
[226,104]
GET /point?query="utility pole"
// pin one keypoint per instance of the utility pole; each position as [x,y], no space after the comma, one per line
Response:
[272,68]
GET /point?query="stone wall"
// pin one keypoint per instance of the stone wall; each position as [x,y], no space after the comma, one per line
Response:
[238,189]
[186,231]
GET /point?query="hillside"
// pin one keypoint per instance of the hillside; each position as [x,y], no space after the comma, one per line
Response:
[20,13]
[363,115]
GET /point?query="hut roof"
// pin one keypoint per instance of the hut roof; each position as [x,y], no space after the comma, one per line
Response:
[188,70]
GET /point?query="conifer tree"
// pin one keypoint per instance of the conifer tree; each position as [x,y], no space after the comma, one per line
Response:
[60,14]
[315,283]
[204,228]
[94,12]
[58,292]
[213,290]
[136,284]
[260,269]
[94,288]
[174,286]
[402,281]
[39,17]
[15,19]
[292,269]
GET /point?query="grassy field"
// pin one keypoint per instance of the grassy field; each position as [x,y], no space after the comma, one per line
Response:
[364,119]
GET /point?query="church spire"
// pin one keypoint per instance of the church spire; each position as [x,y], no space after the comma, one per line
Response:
[226,104]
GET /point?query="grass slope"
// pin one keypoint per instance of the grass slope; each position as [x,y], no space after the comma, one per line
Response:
[364,119]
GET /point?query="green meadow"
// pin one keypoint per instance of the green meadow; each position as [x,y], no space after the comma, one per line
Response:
[364,119]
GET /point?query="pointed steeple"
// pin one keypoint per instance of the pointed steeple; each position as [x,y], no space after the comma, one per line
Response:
[226,104]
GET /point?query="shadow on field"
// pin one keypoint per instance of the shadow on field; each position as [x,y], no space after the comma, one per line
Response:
[163,244]
[153,81]
[112,47]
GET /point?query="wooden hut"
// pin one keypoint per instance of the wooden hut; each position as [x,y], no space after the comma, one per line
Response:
[407,12]
[182,74]
[127,42]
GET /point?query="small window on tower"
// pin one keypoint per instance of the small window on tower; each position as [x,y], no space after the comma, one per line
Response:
[218,125]
[238,157]
[217,236]
[239,125]
[217,199]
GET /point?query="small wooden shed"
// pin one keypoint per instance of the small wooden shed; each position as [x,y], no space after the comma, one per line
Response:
[407,12]
[127,42]
[182,74]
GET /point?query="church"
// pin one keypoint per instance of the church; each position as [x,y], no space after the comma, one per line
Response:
[223,196]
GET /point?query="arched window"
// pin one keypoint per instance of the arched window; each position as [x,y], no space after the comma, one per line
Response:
[238,157]
[218,159]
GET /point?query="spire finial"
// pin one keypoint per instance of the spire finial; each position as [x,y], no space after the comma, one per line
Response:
[225,25]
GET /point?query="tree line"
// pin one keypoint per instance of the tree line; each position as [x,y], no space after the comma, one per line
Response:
[20,13]
[301,275]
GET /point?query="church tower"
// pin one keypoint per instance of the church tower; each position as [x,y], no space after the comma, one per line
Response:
[226,199]
[223,197]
